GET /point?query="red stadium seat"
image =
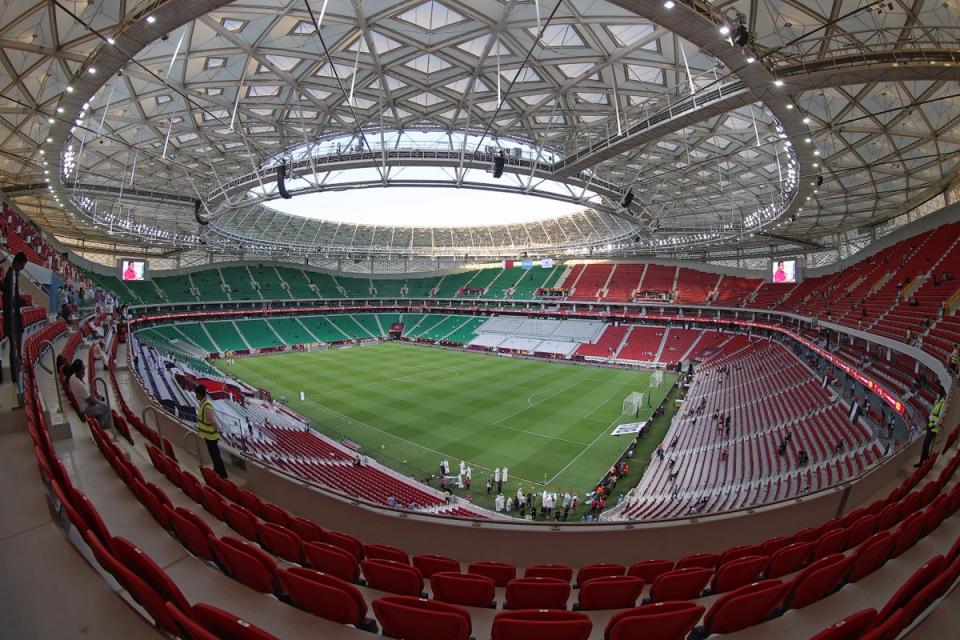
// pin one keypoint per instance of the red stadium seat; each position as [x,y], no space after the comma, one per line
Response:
[429,564]
[500,572]
[249,501]
[154,499]
[649,570]
[829,543]
[920,578]
[324,595]
[333,560]
[935,513]
[788,559]
[413,618]
[226,626]
[680,584]
[701,560]
[468,589]
[272,513]
[307,530]
[280,541]
[599,570]
[191,486]
[346,542]
[537,593]
[241,564]
[747,606]
[392,577]
[214,503]
[385,552]
[227,488]
[888,629]
[91,517]
[735,553]
[907,534]
[817,581]
[738,573]
[870,555]
[242,521]
[143,566]
[192,531]
[860,530]
[559,571]
[188,629]
[535,624]
[610,592]
[771,546]
[889,516]
[850,628]
[135,586]
[657,621]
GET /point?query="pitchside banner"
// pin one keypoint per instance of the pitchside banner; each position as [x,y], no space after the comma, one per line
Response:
[630,427]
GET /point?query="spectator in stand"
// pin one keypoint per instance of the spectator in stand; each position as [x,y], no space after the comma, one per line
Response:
[933,426]
[89,404]
[11,314]
[391,501]
[802,458]
[97,353]
[209,429]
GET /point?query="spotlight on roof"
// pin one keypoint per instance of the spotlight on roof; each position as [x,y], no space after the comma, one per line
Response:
[741,37]
[151,19]
[669,4]
[724,30]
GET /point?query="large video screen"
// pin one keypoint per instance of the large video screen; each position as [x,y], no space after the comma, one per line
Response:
[133,270]
[784,271]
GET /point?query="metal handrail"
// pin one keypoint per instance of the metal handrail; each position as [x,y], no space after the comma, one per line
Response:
[106,392]
[53,371]
[156,417]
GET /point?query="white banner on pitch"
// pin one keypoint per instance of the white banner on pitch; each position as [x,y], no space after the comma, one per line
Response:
[630,427]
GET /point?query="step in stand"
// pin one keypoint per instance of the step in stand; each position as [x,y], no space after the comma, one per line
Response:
[12,417]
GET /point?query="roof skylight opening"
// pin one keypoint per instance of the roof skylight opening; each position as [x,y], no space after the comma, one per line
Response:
[423,207]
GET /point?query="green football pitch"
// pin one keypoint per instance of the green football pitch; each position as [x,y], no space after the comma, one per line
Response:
[410,406]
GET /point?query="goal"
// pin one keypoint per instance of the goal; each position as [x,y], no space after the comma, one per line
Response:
[632,404]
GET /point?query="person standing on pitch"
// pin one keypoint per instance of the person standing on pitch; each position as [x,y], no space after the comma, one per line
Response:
[933,427]
[209,429]
[505,475]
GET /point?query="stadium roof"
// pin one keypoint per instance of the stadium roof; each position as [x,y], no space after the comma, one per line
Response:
[168,103]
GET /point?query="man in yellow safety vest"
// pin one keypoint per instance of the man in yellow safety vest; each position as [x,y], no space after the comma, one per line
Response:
[209,429]
[933,427]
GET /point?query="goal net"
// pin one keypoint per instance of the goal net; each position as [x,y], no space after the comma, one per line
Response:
[656,379]
[632,404]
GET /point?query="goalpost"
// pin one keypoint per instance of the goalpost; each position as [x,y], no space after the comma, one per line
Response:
[632,404]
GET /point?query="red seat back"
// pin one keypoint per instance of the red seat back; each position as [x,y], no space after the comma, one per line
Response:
[307,529]
[191,486]
[817,581]
[346,542]
[430,564]
[701,560]
[333,560]
[413,618]
[788,559]
[272,513]
[250,501]
[559,571]
[393,577]
[324,595]
[870,555]
[660,620]
[744,607]
[242,521]
[861,529]
[537,593]
[680,584]
[134,559]
[500,572]
[188,628]
[850,628]
[227,626]
[242,565]
[599,570]
[920,578]
[737,573]
[829,543]
[385,552]
[734,553]
[214,503]
[280,541]
[193,532]
[610,592]
[536,624]
[468,589]
[907,534]
[650,570]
